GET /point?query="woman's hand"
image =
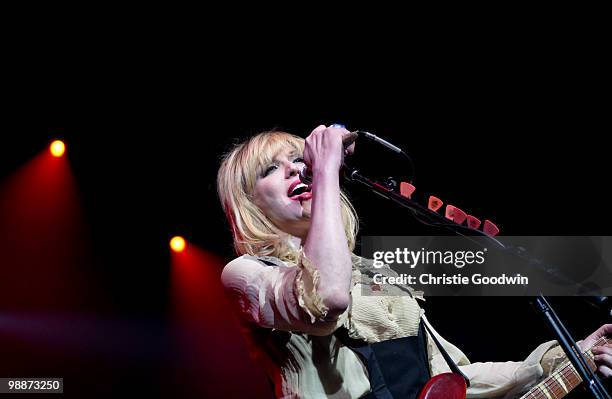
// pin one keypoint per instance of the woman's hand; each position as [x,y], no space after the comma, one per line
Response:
[323,150]
[603,354]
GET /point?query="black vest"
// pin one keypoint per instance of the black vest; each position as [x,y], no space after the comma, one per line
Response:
[397,368]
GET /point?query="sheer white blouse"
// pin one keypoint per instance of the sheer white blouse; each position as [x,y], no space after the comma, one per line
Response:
[282,319]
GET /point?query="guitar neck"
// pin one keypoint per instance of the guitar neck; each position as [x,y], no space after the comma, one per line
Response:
[562,381]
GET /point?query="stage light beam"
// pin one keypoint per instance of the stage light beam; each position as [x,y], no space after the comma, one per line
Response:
[57,148]
[177,244]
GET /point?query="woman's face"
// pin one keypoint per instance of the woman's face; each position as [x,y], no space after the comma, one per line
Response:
[281,195]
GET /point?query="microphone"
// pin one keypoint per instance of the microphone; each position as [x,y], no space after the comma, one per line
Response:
[347,140]
[380,141]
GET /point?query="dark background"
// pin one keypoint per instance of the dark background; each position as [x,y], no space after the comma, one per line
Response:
[521,142]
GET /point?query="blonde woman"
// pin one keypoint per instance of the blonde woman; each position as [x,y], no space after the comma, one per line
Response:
[297,286]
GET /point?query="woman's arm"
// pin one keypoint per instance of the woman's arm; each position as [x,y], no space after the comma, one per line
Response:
[493,379]
[326,245]
[271,297]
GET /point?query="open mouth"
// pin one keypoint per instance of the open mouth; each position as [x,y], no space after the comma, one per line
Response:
[299,190]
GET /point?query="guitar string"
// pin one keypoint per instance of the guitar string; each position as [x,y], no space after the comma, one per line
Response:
[564,371]
[550,382]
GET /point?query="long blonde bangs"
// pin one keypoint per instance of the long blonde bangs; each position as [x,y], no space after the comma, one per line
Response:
[252,231]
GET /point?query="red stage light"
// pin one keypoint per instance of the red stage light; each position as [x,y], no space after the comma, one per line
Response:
[57,148]
[177,244]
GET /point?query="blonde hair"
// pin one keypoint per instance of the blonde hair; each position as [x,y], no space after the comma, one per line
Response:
[253,232]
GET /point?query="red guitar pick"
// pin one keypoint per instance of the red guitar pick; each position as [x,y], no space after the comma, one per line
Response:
[406,189]
[490,228]
[473,222]
[455,214]
[434,203]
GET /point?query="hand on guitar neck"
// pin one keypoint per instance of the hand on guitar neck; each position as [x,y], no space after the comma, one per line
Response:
[597,350]
[601,349]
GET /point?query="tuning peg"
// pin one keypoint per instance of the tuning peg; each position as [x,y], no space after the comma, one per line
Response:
[434,203]
[406,189]
[455,214]
[490,228]
[473,222]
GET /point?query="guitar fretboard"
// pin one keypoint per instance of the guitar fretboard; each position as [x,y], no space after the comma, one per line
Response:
[562,381]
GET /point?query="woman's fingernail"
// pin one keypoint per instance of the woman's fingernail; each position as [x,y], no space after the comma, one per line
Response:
[337,126]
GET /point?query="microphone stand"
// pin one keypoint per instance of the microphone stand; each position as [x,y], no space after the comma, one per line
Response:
[435,219]
[422,213]
[432,218]
[592,384]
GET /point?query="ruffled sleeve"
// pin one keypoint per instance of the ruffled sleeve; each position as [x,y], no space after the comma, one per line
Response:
[552,359]
[306,284]
[280,296]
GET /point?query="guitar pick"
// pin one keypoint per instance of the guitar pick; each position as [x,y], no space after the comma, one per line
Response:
[406,189]
[490,228]
[473,222]
[434,203]
[455,214]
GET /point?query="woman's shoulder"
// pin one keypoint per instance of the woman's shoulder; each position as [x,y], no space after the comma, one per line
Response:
[267,260]
[251,260]
[241,269]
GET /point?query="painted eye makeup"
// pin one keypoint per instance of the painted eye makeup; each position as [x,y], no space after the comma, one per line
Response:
[274,166]
[269,170]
